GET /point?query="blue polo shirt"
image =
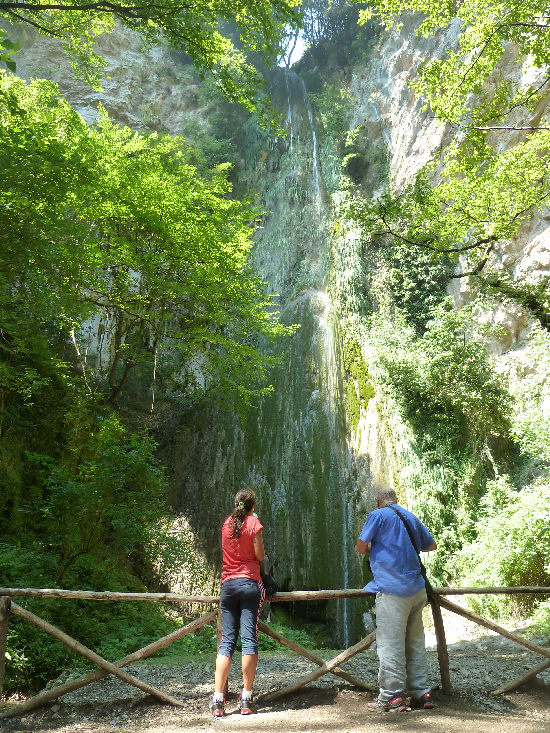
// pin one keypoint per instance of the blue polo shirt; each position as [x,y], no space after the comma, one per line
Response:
[393,560]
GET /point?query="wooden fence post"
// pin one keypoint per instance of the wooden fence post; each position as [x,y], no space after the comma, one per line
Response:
[442,651]
[313,657]
[5,605]
[495,627]
[522,679]
[219,632]
[326,667]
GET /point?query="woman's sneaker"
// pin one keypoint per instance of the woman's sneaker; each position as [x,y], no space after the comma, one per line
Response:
[395,705]
[247,705]
[422,703]
[217,708]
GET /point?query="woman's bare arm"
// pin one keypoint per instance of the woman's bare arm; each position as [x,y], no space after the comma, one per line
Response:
[259,546]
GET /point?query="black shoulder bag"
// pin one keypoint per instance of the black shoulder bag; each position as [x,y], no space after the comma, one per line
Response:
[269,582]
[429,588]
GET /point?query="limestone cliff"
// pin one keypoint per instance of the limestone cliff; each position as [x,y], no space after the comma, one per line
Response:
[315,448]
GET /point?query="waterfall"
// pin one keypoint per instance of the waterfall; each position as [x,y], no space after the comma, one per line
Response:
[315,165]
[288,121]
[296,444]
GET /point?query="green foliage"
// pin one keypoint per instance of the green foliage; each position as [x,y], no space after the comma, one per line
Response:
[91,514]
[86,490]
[325,19]
[107,224]
[302,637]
[116,204]
[453,368]
[112,629]
[334,105]
[446,374]
[456,405]
[7,50]
[541,619]
[486,29]
[482,199]
[491,180]
[531,393]
[533,296]
[358,387]
[410,282]
[518,524]
[329,29]
[192,28]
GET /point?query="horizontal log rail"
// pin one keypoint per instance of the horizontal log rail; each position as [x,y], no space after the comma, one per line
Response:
[332,666]
[281,597]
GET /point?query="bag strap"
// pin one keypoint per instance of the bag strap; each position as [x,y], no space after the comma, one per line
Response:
[409,531]
[429,589]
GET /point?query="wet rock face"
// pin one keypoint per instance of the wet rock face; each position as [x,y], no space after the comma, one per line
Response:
[294,451]
[292,250]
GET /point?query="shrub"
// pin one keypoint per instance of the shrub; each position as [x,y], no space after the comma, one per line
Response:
[512,546]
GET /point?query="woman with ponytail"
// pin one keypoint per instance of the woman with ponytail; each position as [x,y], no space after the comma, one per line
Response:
[241,599]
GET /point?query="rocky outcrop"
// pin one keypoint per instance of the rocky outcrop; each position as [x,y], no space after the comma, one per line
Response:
[394,118]
[146,89]
[395,122]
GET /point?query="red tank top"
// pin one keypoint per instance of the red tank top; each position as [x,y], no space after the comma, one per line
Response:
[238,556]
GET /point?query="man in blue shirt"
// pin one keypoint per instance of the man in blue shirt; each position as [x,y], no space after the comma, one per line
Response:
[400,597]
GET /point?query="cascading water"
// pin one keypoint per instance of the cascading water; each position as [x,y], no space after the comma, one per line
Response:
[295,447]
[288,121]
[314,151]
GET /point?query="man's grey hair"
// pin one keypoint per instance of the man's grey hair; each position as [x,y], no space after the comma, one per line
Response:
[386,495]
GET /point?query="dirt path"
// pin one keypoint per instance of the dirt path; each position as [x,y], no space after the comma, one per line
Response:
[479,662]
[340,711]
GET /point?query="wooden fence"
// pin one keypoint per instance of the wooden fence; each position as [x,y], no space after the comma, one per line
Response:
[333,666]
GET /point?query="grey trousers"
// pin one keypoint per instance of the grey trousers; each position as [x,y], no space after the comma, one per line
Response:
[400,645]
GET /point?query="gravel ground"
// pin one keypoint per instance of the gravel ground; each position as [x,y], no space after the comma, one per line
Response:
[479,662]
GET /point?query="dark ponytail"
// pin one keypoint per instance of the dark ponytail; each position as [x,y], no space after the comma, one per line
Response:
[244,502]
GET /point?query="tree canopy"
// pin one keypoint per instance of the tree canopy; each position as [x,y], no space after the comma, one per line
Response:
[194,27]
[105,218]
[128,234]
[486,30]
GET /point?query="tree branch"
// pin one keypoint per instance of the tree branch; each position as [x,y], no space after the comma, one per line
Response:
[102,6]
[479,267]
[531,129]
[427,245]
[521,103]
[32,23]
[523,297]
[529,25]
[477,57]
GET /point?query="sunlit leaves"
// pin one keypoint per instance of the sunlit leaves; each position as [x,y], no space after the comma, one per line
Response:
[7,50]
[446,374]
[193,27]
[108,219]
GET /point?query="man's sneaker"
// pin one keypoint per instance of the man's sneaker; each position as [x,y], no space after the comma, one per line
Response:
[217,708]
[422,703]
[247,705]
[395,705]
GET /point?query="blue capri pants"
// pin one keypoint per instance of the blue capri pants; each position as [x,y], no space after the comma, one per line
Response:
[240,601]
